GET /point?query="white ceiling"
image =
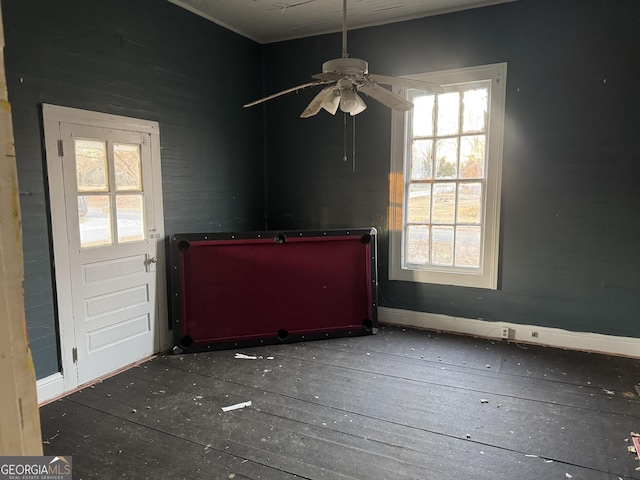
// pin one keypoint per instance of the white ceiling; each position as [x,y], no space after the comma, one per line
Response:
[267,21]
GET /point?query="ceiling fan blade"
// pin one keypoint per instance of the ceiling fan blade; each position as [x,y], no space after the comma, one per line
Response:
[328,76]
[288,90]
[332,102]
[407,82]
[384,96]
[318,102]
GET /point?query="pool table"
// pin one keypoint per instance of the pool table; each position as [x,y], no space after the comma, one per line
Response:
[231,290]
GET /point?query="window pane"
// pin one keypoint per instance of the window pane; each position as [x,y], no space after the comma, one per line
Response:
[442,246]
[91,166]
[472,150]
[423,115]
[475,110]
[417,244]
[126,160]
[421,159]
[468,247]
[447,158]
[95,224]
[448,113]
[130,218]
[444,202]
[419,203]
[469,202]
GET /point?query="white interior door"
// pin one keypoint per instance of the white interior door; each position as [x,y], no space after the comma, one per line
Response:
[103,190]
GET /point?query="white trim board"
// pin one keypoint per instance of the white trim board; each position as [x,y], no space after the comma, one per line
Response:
[552,337]
[50,387]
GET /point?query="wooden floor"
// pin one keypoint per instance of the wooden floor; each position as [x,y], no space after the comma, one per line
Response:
[402,404]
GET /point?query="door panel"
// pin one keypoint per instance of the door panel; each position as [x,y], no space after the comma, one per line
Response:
[107,227]
[109,211]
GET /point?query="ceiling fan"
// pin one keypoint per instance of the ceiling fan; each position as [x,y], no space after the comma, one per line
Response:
[346,77]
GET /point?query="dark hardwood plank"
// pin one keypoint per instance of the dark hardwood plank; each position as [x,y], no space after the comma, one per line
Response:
[402,404]
[519,423]
[303,437]
[106,446]
[470,377]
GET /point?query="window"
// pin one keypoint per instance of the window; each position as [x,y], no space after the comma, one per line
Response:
[109,180]
[446,164]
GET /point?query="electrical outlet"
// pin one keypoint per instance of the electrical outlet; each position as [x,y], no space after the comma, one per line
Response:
[534,334]
[508,333]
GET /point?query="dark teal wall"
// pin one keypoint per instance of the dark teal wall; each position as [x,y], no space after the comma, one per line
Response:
[570,222]
[146,59]
[570,230]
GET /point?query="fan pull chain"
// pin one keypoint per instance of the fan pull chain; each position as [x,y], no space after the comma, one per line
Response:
[353,146]
[353,141]
[344,138]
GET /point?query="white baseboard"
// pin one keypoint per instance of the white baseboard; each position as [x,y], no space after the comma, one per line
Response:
[50,387]
[552,337]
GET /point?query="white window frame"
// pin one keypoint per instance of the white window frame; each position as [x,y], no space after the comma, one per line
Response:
[487,275]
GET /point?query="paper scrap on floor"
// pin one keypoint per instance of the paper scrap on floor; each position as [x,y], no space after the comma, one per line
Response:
[236,406]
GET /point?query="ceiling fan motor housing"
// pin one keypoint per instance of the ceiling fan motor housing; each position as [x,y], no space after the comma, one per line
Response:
[346,66]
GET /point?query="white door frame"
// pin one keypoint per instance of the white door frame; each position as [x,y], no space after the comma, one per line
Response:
[53,115]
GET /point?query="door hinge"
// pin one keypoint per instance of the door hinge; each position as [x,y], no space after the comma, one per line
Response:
[74,354]
[60,148]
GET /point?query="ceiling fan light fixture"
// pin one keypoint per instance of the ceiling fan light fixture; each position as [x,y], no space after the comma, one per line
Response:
[350,102]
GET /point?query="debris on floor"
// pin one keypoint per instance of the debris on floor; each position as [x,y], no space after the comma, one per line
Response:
[635,448]
[636,443]
[236,406]
[48,441]
[245,357]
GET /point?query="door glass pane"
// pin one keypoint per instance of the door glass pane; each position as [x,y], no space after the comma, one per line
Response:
[472,156]
[126,160]
[475,110]
[94,216]
[448,113]
[130,218]
[444,202]
[442,246]
[91,166]
[469,202]
[417,244]
[468,247]
[423,116]
[421,159]
[419,203]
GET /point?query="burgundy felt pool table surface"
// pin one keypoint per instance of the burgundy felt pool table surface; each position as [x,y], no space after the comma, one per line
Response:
[239,289]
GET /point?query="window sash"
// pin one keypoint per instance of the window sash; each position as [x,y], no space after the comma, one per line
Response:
[401,265]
